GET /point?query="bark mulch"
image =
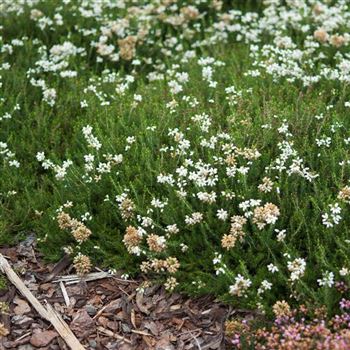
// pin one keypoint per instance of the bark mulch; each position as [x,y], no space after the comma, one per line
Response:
[109,313]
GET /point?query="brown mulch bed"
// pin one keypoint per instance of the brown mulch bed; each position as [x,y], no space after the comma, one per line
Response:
[105,314]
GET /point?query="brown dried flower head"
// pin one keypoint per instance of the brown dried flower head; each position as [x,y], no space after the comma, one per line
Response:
[127,208]
[337,40]
[127,47]
[317,10]
[132,238]
[35,14]
[190,12]
[156,243]
[217,5]
[81,233]
[82,264]
[281,309]
[267,214]
[266,185]
[172,264]
[344,194]
[64,220]
[170,284]
[230,160]
[235,327]
[228,241]
[145,267]
[159,265]
[321,35]
[3,331]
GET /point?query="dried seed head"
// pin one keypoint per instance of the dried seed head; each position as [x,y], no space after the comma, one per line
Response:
[132,238]
[337,40]
[127,208]
[235,327]
[3,330]
[159,265]
[321,35]
[267,214]
[190,12]
[344,194]
[170,284]
[230,160]
[64,220]
[266,185]
[82,264]
[127,47]
[228,241]
[156,243]
[281,309]
[172,264]
[81,233]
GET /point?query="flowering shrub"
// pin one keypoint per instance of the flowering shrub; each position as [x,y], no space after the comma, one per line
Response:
[292,329]
[200,143]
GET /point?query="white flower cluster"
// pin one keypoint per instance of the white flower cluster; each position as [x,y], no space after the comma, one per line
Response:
[241,286]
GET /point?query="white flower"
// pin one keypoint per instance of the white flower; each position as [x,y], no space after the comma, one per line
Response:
[327,279]
[14,163]
[281,235]
[272,268]
[92,141]
[344,271]
[222,214]
[49,96]
[193,219]
[40,156]
[217,259]
[297,268]
[137,98]
[172,229]
[265,285]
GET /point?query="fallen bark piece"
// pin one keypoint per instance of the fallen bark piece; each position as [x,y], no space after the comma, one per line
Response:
[25,347]
[22,320]
[44,338]
[22,307]
[82,324]
[73,279]
[59,267]
[47,313]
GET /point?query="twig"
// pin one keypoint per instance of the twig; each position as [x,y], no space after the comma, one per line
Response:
[23,336]
[141,333]
[47,313]
[65,294]
[195,339]
[113,335]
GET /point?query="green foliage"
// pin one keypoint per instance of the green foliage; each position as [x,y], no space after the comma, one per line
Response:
[30,196]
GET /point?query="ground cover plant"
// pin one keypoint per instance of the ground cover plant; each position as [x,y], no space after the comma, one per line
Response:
[294,329]
[204,144]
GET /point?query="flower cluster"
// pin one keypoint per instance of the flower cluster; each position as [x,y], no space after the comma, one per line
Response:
[293,329]
[78,230]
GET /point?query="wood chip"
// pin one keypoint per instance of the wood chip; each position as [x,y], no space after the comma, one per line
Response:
[65,294]
[47,313]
